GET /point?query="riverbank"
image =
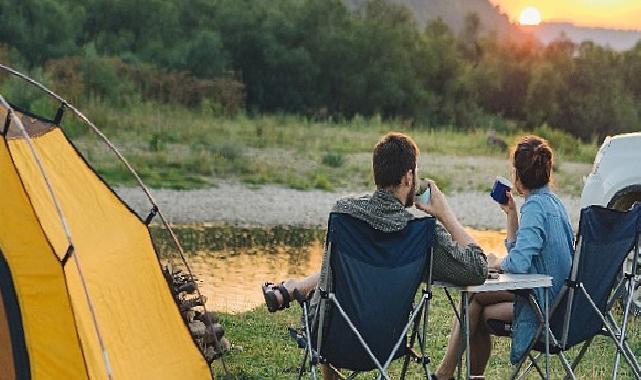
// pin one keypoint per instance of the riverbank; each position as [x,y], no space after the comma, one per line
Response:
[269,205]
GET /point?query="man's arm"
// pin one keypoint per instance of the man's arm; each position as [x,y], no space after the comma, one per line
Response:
[455,263]
[457,257]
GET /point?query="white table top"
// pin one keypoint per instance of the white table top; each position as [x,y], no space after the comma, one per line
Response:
[506,281]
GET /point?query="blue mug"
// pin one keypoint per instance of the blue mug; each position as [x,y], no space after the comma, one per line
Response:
[499,191]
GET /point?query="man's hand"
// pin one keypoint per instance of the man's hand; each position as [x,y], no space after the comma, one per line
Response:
[510,207]
[437,206]
[493,262]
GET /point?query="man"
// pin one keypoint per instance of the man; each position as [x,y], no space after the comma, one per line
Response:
[458,259]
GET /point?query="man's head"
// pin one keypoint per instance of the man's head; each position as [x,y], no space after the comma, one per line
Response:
[394,164]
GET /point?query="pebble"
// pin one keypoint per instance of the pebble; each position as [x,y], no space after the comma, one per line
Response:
[269,205]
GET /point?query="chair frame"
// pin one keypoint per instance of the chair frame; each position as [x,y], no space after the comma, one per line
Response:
[418,321]
[572,287]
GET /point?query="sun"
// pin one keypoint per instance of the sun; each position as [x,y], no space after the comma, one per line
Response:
[530,16]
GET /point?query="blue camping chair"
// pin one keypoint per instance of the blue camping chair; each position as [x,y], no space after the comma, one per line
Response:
[583,308]
[367,308]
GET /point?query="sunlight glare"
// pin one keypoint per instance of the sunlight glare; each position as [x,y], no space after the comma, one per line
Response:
[530,16]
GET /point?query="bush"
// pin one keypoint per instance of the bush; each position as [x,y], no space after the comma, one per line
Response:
[227,151]
[322,182]
[333,159]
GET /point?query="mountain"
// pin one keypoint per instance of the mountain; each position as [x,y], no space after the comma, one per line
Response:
[616,39]
[453,12]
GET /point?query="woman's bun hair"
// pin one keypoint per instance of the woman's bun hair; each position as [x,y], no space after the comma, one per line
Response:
[533,161]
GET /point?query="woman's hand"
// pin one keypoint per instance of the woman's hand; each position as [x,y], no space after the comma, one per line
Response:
[510,207]
[437,206]
[512,217]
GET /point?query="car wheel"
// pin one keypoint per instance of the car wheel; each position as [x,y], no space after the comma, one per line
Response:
[623,200]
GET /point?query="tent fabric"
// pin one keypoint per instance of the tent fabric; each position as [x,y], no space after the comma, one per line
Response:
[143,333]
[11,336]
[39,283]
[607,237]
[375,276]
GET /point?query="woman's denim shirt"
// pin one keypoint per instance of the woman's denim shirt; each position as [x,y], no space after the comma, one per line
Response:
[544,245]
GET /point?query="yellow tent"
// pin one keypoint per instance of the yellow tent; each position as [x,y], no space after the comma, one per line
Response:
[82,291]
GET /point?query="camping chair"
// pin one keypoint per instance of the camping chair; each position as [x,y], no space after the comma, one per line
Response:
[583,308]
[365,312]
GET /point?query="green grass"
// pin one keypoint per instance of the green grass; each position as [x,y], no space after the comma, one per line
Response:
[264,349]
[174,147]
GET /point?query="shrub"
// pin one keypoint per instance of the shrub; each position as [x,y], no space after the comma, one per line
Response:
[322,182]
[228,151]
[333,159]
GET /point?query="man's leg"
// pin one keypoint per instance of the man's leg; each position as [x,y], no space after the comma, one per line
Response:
[304,285]
[328,373]
[479,301]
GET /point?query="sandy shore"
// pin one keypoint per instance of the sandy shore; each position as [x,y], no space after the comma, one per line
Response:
[237,203]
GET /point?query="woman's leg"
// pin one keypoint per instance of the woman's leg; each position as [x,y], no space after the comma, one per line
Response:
[481,346]
[481,342]
[477,342]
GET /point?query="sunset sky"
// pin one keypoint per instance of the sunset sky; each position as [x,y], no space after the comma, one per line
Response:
[620,14]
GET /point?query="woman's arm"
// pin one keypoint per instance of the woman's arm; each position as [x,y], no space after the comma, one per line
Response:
[530,238]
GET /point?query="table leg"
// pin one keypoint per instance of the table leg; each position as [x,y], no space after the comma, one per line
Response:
[546,310]
[461,327]
[466,303]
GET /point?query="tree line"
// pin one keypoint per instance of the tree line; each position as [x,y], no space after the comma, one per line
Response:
[321,59]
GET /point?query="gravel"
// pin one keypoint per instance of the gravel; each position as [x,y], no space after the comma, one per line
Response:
[238,204]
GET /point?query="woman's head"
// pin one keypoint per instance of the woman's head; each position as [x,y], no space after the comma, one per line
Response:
[532,159]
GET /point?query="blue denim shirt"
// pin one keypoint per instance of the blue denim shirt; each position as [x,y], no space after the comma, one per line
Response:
[544,245]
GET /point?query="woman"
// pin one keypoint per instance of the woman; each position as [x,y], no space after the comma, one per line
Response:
[541,243]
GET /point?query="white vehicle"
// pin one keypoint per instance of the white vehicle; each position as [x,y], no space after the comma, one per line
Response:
[615,182]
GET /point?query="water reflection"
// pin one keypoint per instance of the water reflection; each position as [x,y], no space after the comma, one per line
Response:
[233,262]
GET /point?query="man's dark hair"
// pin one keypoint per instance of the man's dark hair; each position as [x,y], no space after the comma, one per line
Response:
[533,160]
[394,155]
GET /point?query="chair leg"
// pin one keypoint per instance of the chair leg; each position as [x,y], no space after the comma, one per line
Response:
[566,365]
[308,350]
[517,367]
[535,363]
[406,360]
[622,331]
[635,363]
[424,363]
[527,370]
[418,334]
[579,357]
[607,324]
[422,336]
[301,370]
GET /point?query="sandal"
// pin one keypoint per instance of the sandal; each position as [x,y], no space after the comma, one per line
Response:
[271,300]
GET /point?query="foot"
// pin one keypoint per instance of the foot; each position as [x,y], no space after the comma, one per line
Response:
[277,296]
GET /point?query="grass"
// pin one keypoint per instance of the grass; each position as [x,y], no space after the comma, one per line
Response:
[173,147]
[264,349]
